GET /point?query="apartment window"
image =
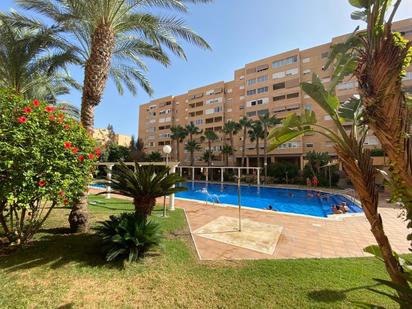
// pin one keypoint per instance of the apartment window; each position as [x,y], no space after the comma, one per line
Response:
[324,55]
[242,97]
[251,92]
[251,71]
[198,122]
[327,118]
[263,112]
[151,130]
[217,128]
[164,135]
[279,86]
[218,119]
[279,98]
[152,121]
[151,144]
[242,87]
[308,107]
[241,107]
[209,120]
[166,111]
[152,106]
[306,72]
[306,60]
[196,96]
[251,81]
[262,78]
[261,68]
[408,76]
[346,85]
[278,75]
[257,102]
[209,111]
[251,114]
[210,92]
[371,140]
[212,101]
[242,77]
[229,90]
[286,61]
[263,90]
[292,72]
[229,110]
[289,145]
[292,95]
[309,145]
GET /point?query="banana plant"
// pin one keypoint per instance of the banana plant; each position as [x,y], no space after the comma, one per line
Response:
[355,158]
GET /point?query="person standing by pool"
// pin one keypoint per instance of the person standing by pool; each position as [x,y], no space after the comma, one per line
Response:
[315,181]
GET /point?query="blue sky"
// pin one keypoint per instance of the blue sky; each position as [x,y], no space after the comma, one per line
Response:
[239,31]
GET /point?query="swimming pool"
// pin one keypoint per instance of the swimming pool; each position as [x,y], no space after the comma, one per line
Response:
[284,200]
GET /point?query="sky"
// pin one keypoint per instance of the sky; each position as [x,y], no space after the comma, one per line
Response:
[239,32]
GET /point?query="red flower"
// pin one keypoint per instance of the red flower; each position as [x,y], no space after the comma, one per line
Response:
[61,115]
[67,126]
[60,120]
[98,152]
[61,193]
[75,150]
[91,156]
[66,201]
[52,118]
[67,145]
[27,110]
[81,158]
[49,109]
[36,103]
[22,119]
[41,183]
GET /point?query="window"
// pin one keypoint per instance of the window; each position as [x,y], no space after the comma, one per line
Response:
[251,114]
[279,86]
[309,145]
[209,120]
[164,127]
[229,90]
[262,78]
[327,118]
[198,122]
[151,130]
[257,102]
[263,112]
[151,144]
[306,60]
[251,71]
[212,101]
[324,55]
[286,61]
[371,140]
[242,77]
[278,75]
[229,110]
[263,90]
[292,72]
[346,85]
[292,95]
[164,135]
[152,121]
[196,96]
[251,92]
[306,72]
[251,81]
[218,109]
[209,111]
[289,145]
[152,106]
[165,111]
[408,76]
[218,119]
[261,68]
[279,98]
[209,92]
[308,107]
[242,87]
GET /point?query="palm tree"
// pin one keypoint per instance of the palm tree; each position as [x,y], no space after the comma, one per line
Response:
[267,122]
[192,146]
[208,155]
[256,134]
[226,152]
[210,136]
[144,185]
[245,123]
[33,61]
[179,133]
[191,130]
[231,128]
[111,36]
[356,160]
[154,156]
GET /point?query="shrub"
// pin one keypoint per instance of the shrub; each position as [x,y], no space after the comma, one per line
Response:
[128,236]
[45,160]
[278,170]
[377,152]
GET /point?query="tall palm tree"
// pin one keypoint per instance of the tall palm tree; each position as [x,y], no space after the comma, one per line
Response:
[227,151]
[231,128]
[192,146]
[356,160]
[245,123]
[256,134]
[210,136]
[191,130]
[33,61]
[267,122]
[179,133]
[112,36]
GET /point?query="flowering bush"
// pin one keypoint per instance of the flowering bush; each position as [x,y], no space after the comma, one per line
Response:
[46,160]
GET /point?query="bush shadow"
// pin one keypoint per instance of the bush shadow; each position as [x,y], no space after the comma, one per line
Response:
[331,296]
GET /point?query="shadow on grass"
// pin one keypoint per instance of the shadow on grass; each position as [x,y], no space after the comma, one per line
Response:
[57,249]
[331,296]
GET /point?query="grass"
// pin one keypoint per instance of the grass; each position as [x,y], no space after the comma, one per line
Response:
[60,270]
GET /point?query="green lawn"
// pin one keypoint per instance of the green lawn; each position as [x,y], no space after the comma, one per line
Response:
[59,270]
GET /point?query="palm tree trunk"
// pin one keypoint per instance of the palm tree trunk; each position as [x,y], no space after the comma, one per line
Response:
[95,78]
[243,147]
[143,206]
[357,163]
[258,152]
[178,150]
[210,153]
[233,148]
[265,155]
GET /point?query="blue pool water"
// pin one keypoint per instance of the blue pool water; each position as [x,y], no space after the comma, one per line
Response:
[284,200]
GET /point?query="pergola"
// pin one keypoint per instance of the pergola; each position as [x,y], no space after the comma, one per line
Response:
[222,169]
[109,165]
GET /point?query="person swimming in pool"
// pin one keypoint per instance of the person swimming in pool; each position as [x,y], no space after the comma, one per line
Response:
[269,207]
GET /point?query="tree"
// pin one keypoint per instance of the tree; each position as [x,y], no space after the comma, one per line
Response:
[191,147]
[267,122]
[179,133]
[210,136]
[245,123]
[144,185]
[46,161]
[356,160]
[115,153]
[33,61]
[112,36]
[231,128]
[378,57]
[256,133]
[111,135]
[154,156]
[136,150]
[226,151]
[208,155]
[316,160]
[191,130]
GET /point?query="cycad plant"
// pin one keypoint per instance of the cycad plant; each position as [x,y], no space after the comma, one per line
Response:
[144,184]
[128,237]
[356,160]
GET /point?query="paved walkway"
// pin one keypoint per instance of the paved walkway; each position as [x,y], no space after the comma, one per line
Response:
[301,237]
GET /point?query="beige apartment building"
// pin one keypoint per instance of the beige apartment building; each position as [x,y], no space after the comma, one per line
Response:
[269,85]
[103,136]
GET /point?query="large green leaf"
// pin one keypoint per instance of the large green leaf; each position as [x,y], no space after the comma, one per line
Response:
[360,4]
[359,15]
[374,250]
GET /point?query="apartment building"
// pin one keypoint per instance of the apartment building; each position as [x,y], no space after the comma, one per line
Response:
[269,85]
[103,136]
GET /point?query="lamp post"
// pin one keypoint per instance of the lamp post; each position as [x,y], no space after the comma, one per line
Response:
[166,150]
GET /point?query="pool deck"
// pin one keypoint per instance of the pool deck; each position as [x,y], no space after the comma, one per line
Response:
[301,237]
